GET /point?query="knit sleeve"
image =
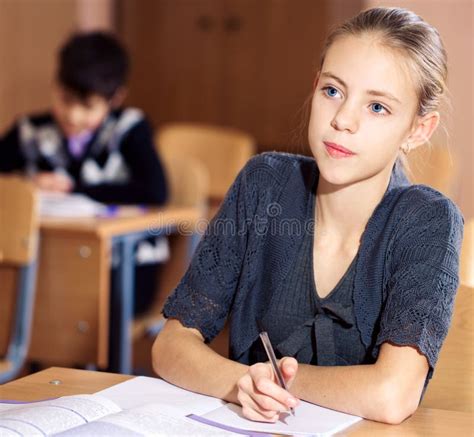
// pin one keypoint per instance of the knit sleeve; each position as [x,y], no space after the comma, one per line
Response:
[424,280]
[203,298]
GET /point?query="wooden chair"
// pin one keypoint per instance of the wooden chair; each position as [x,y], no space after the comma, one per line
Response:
[452,386]
[222,151]
[433,166]
[467,255]
[18,253]
[188,182]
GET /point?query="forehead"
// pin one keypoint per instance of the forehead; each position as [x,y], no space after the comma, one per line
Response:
[363,63]
[90,100]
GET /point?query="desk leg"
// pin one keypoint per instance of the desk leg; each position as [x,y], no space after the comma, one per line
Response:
[122,306]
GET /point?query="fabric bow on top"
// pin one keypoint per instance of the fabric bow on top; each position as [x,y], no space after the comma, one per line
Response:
[298,344]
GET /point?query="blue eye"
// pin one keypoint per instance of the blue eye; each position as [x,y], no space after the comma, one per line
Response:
[377,108]
[331,91]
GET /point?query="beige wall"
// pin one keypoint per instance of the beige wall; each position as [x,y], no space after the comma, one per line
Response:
[30,33]
[454,20]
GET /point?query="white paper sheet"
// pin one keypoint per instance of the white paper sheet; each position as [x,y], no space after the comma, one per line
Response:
[309,420]
[174,401]
[69,205]
[143,390]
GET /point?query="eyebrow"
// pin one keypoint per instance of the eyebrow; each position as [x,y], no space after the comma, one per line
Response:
[371,92]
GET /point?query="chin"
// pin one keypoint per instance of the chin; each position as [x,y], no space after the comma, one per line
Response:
[337,177]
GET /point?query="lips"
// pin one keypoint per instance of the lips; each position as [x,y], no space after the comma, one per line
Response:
[337,151]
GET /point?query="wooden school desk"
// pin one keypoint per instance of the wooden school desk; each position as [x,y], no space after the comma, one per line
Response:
[41,385]
[75,303]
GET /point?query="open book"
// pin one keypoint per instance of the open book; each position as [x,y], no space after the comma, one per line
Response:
[69,205]
[145,406]
[95,415]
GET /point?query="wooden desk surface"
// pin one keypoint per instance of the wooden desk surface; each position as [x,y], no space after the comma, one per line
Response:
[73,381]
[127,220]
[425,421]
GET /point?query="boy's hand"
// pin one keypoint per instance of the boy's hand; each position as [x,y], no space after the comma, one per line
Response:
[261,397]
[51,181]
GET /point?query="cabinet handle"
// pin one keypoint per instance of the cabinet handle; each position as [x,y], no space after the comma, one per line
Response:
[85,251]
[205,23]
[232,23]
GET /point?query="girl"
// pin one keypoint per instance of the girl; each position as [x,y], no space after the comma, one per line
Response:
[350,269]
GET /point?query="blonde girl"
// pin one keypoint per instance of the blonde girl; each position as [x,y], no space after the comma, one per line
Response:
[350,268]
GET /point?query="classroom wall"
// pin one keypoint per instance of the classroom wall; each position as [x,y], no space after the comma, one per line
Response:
[454,19]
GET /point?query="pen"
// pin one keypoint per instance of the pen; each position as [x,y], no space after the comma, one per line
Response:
[271,356]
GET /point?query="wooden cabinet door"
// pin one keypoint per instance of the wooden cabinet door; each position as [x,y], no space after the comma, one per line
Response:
[177,62]
[249,64]
[270,63]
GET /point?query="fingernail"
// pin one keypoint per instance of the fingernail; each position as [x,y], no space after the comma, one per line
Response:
[291,402]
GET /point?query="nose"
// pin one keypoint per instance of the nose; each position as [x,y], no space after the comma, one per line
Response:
[346,118]
[74,115]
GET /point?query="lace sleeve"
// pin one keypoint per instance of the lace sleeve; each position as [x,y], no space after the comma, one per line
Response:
[421,290]
[203,297]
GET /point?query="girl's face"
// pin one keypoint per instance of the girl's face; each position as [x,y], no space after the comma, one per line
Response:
[363,110]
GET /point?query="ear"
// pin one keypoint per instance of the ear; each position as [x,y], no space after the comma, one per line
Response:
[119,97]
[422,129]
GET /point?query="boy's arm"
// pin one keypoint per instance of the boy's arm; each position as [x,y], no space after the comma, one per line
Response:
[147,184]
[11,158]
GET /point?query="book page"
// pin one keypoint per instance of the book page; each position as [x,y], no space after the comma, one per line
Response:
[54,416]
[149,420]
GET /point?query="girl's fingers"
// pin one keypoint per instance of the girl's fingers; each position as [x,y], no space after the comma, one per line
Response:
[251,410]
[289,369]
[247,387]
[267,393]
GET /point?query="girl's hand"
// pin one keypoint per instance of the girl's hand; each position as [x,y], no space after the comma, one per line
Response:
[261,397]
[51,181]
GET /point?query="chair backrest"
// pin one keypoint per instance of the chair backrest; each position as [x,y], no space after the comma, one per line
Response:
[223,151]
[433,166]
[452,386]
[188,181]
[467,255]
[18,220]
[18,250]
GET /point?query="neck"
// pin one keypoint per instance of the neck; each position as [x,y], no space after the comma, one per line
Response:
[342,212]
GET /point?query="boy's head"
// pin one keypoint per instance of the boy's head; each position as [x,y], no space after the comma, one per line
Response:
[91,76]
[92,63]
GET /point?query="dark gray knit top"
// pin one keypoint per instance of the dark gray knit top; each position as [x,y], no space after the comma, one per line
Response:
[404,280]
[303,325]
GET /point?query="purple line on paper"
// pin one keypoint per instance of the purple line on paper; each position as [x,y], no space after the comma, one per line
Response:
[228,428]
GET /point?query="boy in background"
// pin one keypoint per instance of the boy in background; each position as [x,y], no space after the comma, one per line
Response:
[88,143]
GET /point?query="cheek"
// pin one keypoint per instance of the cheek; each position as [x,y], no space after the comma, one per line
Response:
[95,119]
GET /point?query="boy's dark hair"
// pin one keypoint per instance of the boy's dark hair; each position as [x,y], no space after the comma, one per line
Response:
[92,63]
